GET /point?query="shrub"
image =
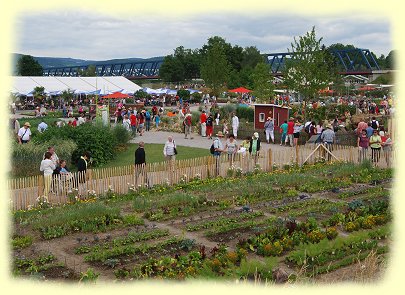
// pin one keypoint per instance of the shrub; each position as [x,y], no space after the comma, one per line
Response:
[184,94]
[195,97]
[245,113]
[99,140]
[122,136]
[331,233]
[26,158]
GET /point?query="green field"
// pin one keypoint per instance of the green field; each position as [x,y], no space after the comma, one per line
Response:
[154,153]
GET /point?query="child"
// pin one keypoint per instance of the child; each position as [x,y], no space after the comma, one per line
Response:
[225,129]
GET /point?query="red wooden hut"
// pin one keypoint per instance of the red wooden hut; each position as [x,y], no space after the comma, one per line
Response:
[277,112]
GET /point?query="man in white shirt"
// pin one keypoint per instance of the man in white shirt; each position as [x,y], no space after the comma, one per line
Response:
[42,126]
[235,125]
[24,134]
[80,120]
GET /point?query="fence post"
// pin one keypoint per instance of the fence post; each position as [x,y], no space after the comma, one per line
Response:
[40,185]
[90,174]
[351,155]
[270,152]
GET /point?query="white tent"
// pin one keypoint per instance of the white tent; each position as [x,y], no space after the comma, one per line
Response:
[83,85]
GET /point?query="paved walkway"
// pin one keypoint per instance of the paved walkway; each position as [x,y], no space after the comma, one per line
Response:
[197,141]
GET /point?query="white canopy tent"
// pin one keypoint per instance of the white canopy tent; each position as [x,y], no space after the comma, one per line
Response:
[84,85]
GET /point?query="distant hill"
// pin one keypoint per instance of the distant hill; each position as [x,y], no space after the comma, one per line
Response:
[54,62]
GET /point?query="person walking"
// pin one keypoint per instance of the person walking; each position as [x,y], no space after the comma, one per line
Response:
[170,149]
[235,125]
[141,122]
[203,119]
[24,134]
[269,129]
[47,166]
[126,122]
[147,120]
[218,149]
[217,117]
[157,121]
[132,119]
[283,131]
[140,163]
[187,125]
[375,145]
[210,127]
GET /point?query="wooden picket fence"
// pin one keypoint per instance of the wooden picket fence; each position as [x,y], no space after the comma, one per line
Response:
[25,191]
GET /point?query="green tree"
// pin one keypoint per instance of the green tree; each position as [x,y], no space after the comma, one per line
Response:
[307,71]
[89,72]
[251,57]
[28,66]
[183,64]
[171,69]
[39,93]
[391,59]
[67,95]
[263,86]
[215,68]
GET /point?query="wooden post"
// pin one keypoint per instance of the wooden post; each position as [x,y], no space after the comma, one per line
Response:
[270,154]
[90,174]
[351,155]
[40,185]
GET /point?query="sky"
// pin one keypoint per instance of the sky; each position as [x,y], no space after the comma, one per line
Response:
[87,35]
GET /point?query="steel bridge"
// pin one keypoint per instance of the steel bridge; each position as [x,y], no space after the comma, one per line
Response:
[354,61]
[131,70]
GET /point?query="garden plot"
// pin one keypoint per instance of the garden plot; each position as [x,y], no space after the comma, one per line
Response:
[220,228]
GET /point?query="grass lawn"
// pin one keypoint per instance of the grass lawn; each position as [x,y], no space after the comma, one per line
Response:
[154,153]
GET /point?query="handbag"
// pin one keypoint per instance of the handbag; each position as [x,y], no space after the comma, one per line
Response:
[175,150]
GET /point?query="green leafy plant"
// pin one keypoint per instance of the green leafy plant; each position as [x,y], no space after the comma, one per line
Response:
[89,276]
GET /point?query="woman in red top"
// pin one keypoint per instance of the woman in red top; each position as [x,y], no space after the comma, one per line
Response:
[132,118]
[141,120]
[363,143]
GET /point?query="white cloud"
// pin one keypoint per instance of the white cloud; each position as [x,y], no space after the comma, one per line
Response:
[80,34]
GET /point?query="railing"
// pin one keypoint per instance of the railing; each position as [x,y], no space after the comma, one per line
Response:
[25,191]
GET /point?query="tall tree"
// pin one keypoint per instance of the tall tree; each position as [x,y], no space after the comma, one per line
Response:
[251,57]
[391,59]
[39,93]
[215,68]
[28,66]
[171,69]
[263,86]
[307,71]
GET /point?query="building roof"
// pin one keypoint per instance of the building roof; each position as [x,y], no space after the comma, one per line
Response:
[24,85]
[271,105]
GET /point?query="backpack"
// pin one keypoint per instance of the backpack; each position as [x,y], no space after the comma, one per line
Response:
[147,115]
[374,124]
[212,149]
[308,128]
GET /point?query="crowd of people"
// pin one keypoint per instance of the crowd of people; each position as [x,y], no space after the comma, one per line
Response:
[55,168]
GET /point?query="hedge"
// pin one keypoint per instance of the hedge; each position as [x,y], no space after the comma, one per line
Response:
[99,140]
[26,158]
